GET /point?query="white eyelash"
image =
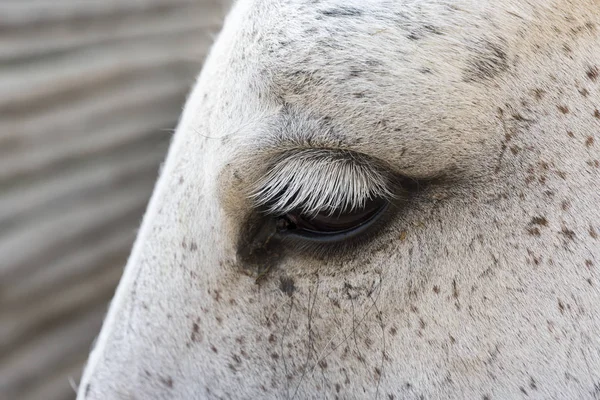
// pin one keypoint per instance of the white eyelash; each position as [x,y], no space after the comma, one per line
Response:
[320,181]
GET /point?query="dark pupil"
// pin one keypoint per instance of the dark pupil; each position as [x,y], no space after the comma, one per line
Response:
[336,222]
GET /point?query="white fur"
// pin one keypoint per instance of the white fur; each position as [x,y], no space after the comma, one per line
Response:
[485,285]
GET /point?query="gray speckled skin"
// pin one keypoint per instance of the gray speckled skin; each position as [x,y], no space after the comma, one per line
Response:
[484,284]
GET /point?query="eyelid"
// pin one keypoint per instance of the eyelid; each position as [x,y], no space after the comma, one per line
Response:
[321,180]
[336,237]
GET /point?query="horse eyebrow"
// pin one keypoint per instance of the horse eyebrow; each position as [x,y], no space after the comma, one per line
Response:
[290,128]
[316,180]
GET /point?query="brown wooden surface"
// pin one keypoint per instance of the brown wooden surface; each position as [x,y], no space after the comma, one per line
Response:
[89,94]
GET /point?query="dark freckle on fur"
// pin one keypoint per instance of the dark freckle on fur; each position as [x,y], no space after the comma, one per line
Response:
[355,72]
[193,246]
[88,387]
[338,387]
[393,331]
[522,389]
[323,364]
[432,29]
[436,289]
[561,306]
[287,286]
[486,397]
[517,117]
[538,94]
[489,61]
[275,356]
[168,382]
[571,134]
[589,141]
[539,221]
[214,349]
[272,338]
[532,384]
[592,232]
[563,109]
[568,233]
[592,73]
[589,263]
[584,92]
[342,12]
[196,336]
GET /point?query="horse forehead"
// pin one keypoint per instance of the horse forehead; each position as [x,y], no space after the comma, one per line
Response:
[353,56]
[353,37]
[330,33]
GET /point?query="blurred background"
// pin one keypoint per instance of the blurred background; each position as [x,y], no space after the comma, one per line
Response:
[90,91]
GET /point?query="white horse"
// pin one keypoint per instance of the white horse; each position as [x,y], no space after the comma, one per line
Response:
[391,199]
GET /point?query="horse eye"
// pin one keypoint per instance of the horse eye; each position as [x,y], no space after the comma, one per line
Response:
[332,227]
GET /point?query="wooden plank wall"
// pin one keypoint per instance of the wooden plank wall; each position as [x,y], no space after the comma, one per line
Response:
[90,91]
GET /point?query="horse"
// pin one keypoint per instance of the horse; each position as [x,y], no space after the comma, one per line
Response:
[373,199]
